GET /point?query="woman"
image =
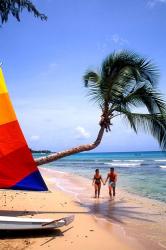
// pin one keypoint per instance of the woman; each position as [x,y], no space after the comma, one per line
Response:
[97,179]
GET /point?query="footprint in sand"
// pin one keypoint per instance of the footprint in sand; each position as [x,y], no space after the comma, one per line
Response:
[162,244]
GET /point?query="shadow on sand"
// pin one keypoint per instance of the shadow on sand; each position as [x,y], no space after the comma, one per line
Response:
[16,213]
[27,234]
[116,211]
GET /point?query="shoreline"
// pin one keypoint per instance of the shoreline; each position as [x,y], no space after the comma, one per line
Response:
[84,232]
[129,212]
[140,175]
[130,193]
[114,229]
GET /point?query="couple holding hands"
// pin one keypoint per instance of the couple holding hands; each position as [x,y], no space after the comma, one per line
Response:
[97,179]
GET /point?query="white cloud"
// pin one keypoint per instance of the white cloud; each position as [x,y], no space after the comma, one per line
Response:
[53,65]
[50,69]
[152,3]
[119,40]
[81,133]
[105,45]
[34,137]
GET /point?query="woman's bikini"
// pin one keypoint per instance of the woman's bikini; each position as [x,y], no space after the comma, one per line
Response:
[97,180]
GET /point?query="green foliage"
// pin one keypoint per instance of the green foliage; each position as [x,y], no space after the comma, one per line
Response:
[15,7]
[128,81]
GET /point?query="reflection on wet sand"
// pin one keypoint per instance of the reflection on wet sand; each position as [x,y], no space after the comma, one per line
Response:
[142,218]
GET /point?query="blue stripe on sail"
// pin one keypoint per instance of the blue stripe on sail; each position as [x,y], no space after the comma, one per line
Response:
[33,182]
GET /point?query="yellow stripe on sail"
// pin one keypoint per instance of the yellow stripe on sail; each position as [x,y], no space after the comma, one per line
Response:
[3,88]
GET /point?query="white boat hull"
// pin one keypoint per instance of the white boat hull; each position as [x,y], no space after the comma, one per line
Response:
[14,223]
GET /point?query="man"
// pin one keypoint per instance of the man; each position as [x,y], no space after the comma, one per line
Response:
[112,177]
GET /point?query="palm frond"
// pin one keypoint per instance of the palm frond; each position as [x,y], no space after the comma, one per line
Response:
[91,77]
[126,80]
[15,7]
[147,96]
[92,81]
[154,124]
[140,69]
[124,72]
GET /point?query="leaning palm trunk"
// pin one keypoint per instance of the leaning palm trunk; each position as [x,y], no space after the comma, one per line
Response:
[125,81]
[81,148]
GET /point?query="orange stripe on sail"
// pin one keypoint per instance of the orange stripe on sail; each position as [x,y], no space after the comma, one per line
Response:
[7,113]
[3,88]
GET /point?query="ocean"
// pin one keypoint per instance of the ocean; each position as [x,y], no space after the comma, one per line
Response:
[141,173]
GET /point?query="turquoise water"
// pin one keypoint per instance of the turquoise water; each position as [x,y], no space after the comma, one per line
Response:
[143,173]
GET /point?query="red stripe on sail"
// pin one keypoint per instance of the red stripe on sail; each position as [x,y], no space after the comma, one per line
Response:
[16,166]
[11,138]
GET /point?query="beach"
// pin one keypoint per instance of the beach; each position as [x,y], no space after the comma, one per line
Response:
[127,223]
[82,125]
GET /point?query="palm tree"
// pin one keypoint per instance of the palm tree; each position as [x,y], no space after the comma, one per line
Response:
[125,81]
[15,7]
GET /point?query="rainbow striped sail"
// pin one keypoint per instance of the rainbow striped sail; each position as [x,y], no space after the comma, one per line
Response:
[17,167]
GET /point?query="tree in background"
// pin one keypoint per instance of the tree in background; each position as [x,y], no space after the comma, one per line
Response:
[15,7]
[125,82]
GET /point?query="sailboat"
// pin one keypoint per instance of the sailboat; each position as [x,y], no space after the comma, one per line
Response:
[18,170]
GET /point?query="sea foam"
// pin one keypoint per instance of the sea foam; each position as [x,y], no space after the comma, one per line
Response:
[164,167]
[160,160]
[122,164]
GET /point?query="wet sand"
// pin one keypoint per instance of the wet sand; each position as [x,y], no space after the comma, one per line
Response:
[136,218]
[127,223]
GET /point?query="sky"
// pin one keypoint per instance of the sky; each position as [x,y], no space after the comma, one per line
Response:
[44,62]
